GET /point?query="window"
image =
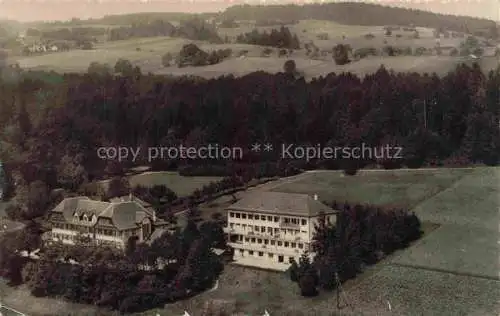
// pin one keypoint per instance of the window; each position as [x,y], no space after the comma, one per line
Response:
[301,246]
[270,218]
[231,225]
[270,255]
[276,219]
[256,228]
[270,230]
[250,216]
[259,241]
[266,242]
[273,242]
[280,243]
[231,214]
[242,251]
[294,245]
[244,216]
[250,253]
[261,253]
[304,222]
[238,215]
[287,244]
[240,237]
[262,229]
[253,240]
[290,260]
[247,239]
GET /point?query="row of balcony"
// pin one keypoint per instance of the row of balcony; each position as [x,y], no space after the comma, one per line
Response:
[268,235]
[267,248]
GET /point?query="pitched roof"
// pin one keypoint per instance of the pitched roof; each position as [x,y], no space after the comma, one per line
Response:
[281,203]
[123,214]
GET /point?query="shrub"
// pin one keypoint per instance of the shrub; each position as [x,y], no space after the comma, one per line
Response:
[341,54]
[420,51]
[191,54]
[243,52]
[365,52]
[389,50]
[266,52]
[323,36]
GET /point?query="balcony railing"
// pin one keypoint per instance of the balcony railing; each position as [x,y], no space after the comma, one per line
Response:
[289,225]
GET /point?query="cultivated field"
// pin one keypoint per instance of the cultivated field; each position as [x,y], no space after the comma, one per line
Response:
[147,52]
[181,185]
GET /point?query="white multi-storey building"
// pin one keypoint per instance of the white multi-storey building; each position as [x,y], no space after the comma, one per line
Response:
[105,223]
[269,229]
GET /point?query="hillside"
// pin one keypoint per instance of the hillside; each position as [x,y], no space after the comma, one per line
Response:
[358,14]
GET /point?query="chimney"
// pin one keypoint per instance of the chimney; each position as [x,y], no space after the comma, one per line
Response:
[315,197]
[130,197]
[154,216]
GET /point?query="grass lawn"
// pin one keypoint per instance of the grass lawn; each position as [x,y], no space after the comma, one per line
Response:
[386,187]
[421,292]
[181,185]
[472,201]
[457,249]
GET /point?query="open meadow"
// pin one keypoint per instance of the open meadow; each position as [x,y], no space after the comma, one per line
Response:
[404,189]
[147,52]
[181,185]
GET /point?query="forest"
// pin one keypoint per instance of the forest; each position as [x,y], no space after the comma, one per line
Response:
[58,124]
[281,38]
[195,29]
[361,14]
[361,236]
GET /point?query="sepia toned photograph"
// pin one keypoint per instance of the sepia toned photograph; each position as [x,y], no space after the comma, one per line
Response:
[258,158]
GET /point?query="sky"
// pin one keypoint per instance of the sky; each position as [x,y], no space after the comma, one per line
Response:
[44,10]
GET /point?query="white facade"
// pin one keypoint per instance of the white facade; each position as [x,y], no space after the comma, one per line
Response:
[270,240]
[103,223]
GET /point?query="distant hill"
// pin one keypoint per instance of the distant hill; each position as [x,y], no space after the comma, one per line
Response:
[129,19]
[358,14]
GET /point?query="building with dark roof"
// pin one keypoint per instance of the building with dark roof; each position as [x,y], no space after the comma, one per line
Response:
[270,229]
[107,223]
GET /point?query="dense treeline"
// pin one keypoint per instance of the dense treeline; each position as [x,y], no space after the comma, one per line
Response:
[359,14]
[174,266]
[195,29]
[362,235]
[57,126]
[281,38]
